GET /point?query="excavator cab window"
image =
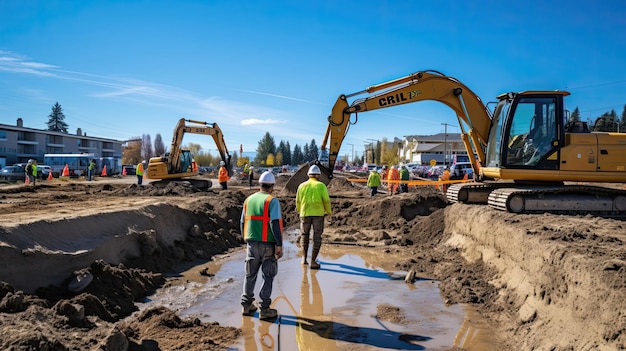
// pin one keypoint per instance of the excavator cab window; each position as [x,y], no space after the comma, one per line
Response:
[532,134]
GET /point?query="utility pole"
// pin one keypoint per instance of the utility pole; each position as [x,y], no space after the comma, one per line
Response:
[373,153]
[445,144]
[352,151]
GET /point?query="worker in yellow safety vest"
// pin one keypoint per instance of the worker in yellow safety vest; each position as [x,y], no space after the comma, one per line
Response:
[312,204]
[139,172]
[261,226]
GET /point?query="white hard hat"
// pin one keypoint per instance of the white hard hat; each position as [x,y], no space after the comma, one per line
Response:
[314,170]
[222,163]
[267,178]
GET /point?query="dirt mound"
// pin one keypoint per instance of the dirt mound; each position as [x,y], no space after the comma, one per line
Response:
[549,282]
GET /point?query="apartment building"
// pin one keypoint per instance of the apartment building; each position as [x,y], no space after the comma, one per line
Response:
[18,144]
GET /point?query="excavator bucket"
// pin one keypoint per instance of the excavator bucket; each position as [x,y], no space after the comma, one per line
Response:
[301,176]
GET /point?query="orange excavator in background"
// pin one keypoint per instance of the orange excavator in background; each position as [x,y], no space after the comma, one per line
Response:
[178,164]
[527,151]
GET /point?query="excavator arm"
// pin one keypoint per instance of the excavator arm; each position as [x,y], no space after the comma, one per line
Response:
[474,118]
[177,163]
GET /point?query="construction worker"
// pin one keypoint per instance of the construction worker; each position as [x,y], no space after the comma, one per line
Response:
[444,177]
[139,171]
[373,182]
[392,179]
[261,226]
[91,169]
[31,171]
[222,176]
[384,174]
[312,204]
[404,176]
[246,170]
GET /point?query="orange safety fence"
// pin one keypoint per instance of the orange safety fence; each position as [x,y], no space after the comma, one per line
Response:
[436,183]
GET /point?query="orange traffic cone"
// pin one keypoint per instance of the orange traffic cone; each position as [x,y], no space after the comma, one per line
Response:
[27,181]
[50,175]
[124,171]
[66,171]
[104,171]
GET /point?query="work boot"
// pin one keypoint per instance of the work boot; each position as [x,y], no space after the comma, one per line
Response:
[249,310]
[268,314]
[314,253]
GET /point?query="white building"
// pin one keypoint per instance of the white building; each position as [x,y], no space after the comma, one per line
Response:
[440,147]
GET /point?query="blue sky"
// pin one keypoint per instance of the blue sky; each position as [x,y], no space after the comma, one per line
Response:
[121,69]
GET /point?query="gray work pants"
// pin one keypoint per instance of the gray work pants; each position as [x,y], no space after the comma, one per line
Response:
[259,256]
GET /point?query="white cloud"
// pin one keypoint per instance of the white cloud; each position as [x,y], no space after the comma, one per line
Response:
[253,121]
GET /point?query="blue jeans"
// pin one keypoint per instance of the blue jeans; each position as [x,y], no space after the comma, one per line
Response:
[259,255]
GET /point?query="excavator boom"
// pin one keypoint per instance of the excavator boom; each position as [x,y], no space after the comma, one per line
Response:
[473,116]
[522,154]
[178,163]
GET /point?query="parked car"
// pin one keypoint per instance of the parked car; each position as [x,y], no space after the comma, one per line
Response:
[43,171]
[459,169]
[12,173]
[130,169]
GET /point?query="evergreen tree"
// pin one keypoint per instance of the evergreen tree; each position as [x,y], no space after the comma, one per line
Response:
[159,146]
[266,147]
[622,121]
[575,116]
[305,153]
[287,152]
[56,119]
[313,151]
[297,158]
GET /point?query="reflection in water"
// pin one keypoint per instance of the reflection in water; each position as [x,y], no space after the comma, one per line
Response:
[266,340]
[316,331]
[312,306]
[338,306]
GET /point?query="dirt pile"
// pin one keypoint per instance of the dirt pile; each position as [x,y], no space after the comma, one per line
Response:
[548,282]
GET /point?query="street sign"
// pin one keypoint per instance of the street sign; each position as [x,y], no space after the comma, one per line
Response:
[433,162]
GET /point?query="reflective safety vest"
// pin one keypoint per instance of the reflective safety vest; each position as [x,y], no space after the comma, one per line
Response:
[257,222]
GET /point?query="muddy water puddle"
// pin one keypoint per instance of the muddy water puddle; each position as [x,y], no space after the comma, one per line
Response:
[334,308]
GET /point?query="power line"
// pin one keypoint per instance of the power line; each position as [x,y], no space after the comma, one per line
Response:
[595,85]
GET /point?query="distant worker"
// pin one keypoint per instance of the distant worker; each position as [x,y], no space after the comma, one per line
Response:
[404,176]
[246,170]
[91,169]
[445,176]
[373,182]
[31,171]
[250,176]
[312,204]
[261,226]
[384,174]
[222,176]
[392,179]
[139,171]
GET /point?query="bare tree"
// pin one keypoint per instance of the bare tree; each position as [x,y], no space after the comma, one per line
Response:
[146,147]
[159,146]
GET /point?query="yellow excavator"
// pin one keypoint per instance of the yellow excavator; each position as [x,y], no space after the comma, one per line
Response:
[178,164]
[529,157]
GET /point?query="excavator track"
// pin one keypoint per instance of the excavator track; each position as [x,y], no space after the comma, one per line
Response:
[470,193]
[565,199]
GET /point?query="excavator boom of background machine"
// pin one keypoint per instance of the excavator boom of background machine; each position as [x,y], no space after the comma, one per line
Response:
[178,164]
